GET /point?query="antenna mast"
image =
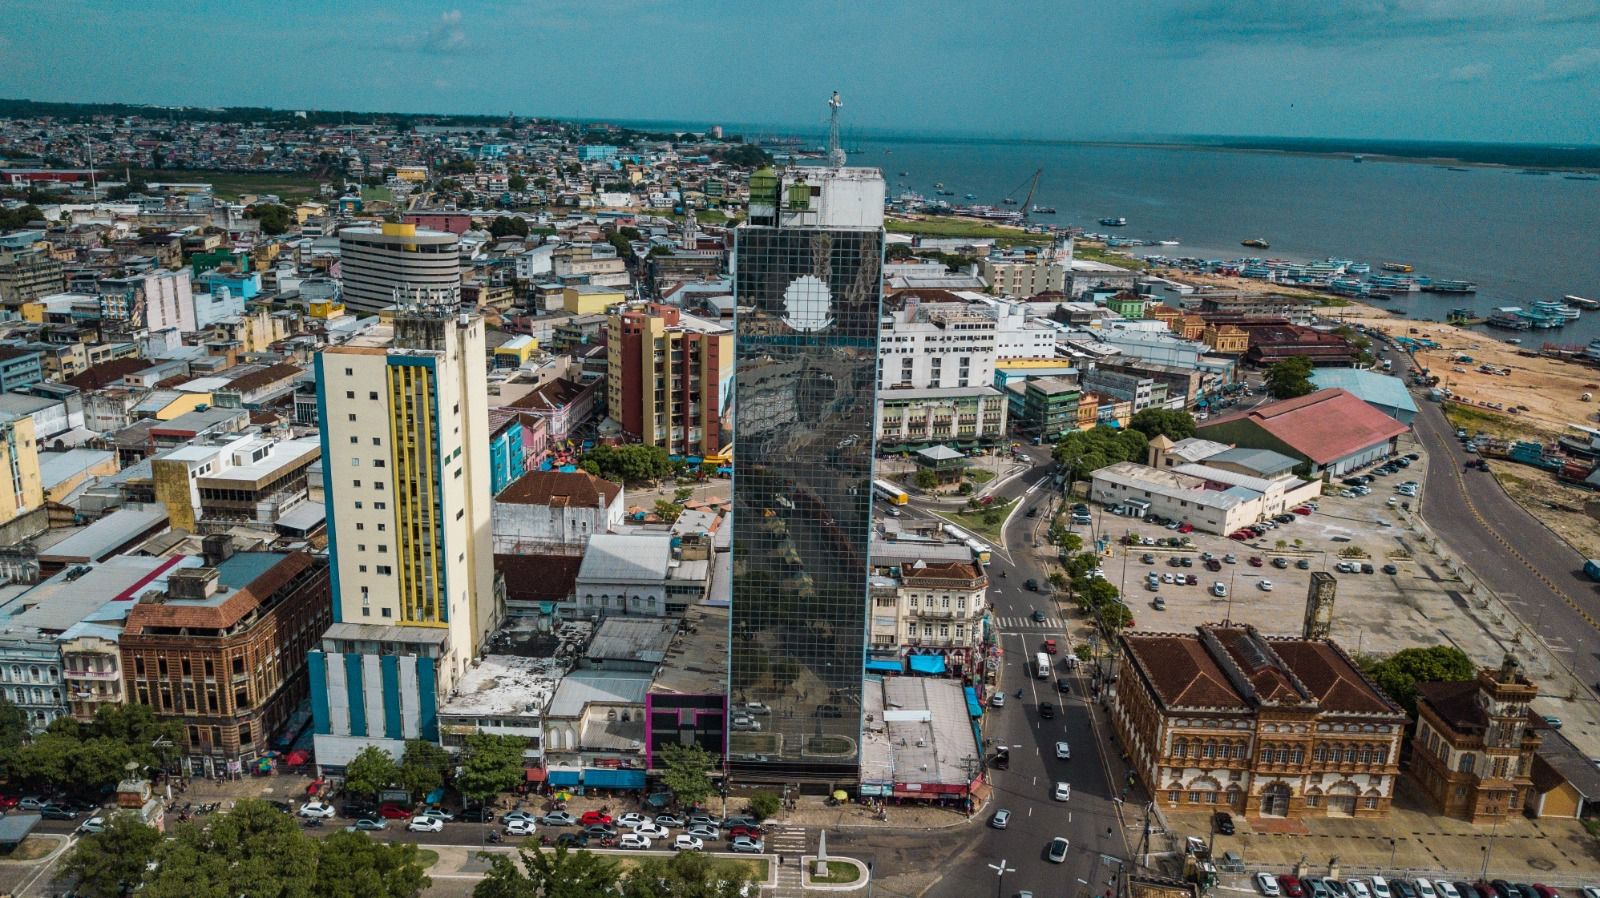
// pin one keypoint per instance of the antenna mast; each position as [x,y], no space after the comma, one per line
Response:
[835,151]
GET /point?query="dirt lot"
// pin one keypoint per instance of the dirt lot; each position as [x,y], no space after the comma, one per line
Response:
[1558,505]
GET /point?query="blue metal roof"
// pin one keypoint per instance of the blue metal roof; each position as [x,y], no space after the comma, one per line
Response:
[1368,386]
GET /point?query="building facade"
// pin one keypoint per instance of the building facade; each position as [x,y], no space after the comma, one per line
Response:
[931,608]
[669,379]
[406,475]
[969,417]
[1228,719]
[808,287]
[1472,753]
[374,263]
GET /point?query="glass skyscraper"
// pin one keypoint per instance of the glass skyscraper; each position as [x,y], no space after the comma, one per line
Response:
[807,285]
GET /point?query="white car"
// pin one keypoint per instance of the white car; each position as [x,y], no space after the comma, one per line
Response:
[1063,751]
[634,840]
[651,831]
[1219,589]
[1425,889]
[1357,888]
[687,843]
[632,821]
[1380,888]
[1266,585]
[746,723]
[92,825]
[1062,791]
[425,825]
[520,827]
[1267,885]
[316,809]
[1446,889]
[756,708]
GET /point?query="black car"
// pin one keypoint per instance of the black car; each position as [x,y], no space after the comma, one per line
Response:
[1223,821]
[1412,456]
[1503,889]
[1031,585]
[57,812]
[1063,686]
[1047,710]
[573,840]
[283,806]
[1002,759]
[1404,888]
[1390,569]
[1366,567]
[1037,615]
[476,815]
[357,811]
[601,831]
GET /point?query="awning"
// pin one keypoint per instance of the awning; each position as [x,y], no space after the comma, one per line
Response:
[874,789]
[535,774]
[927,664]
[297,757]
[974,707]
[609,778]
[876,666]
[565,776]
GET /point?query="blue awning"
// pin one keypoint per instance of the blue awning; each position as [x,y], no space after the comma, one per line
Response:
[927,664]
[568,776]
[974,707]
[612,778]
[884,667]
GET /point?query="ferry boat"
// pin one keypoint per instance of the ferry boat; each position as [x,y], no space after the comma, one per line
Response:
[1581,302]
[1044,210]
[1593,350]
[1114,222]
[1541,320]
[1401,267]
[1389,283]
[938,185]
[1255,242]
[1166,243]
[1509,318]
[1441,285]
[1556,308]
[1358,268]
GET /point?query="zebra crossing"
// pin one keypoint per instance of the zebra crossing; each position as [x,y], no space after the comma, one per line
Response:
[788,842]
[1025,622]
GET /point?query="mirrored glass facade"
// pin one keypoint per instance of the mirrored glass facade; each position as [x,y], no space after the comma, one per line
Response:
[805,378]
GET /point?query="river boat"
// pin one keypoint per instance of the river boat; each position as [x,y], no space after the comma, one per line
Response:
[970,196]
[1114,222]
[1556,308]
[1358,158]
[1358,268]
[1390,283]
[1256,243]
[905,174]
[1508,318]
[1581,302]
[1542,320]
[1166,243]
[1440,285]
[1456,168]
[1401,267]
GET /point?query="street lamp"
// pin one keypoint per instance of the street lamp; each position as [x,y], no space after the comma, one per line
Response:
[1000,870]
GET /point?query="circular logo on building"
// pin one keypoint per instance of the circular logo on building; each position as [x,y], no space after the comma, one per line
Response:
[807,304]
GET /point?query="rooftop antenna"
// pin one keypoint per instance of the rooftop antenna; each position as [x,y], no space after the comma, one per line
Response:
[835,151]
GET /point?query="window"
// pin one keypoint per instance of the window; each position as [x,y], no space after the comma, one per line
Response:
[352,418]
[349,372]
[355,439]
[1465,765]
[244,734]
[1194,797]
[383,571]
[349,394]
[1172,797]
[184,666]
[386,613]
[1371,802]
[357,483]
[161,668]
[372,395]
[360,526]
[209,670]
[355,463]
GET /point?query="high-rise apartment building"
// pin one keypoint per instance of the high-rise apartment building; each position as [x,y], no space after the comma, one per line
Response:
[405,450]
[376,262]
[808,291]
[669,378]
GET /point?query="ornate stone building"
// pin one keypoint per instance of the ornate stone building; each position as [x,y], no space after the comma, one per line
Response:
[1474,744]
[1229,719]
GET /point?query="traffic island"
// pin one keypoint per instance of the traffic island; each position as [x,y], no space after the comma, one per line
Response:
[844,874]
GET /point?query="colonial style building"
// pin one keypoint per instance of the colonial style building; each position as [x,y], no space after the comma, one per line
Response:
[931,608]
[1229,719]
[223,651]
[1474,745]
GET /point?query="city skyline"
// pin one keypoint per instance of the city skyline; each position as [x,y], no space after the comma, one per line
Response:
[1403,69]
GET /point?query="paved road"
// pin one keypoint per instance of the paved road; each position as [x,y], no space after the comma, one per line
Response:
[1506,547]
[1089,818]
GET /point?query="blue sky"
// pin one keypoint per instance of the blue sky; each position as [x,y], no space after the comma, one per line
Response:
[1492,70]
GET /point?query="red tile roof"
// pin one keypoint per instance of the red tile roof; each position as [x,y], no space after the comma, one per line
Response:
[1323,426]
[579,489]
[1182,673]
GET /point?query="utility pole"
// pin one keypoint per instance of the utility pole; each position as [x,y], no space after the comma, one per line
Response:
[1000,870]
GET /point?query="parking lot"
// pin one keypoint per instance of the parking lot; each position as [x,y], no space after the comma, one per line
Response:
[1411,597]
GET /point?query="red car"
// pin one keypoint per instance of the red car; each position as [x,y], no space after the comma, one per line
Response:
[1291,886]
[1545,891]
[1186,527]
[1255,561]
[753,832]
[7,802]
[1049,646]
[1240,535]
[595,818]
[394,812]
[1303,510]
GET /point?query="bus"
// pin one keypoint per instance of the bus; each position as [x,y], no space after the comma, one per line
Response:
[890,493]
[1041,665]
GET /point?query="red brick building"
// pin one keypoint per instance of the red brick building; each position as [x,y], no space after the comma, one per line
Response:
[1475,741]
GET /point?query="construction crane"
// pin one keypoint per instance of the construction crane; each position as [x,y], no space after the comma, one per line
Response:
[1033,187]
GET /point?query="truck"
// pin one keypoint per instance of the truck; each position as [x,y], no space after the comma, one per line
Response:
[1591,567]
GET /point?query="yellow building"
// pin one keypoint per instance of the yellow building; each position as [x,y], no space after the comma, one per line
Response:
[411,172]
[325,309]
[586,299]
[516,352]
[182,404]
[21,492]
[308,210]
[1226,339]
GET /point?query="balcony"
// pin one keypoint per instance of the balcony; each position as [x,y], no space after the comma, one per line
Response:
[92,675]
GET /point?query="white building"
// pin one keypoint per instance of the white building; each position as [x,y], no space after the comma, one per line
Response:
[624,574]
[555,508]
[375,262]
[1018,273]
[406,477]
[956,344]
[1214,500]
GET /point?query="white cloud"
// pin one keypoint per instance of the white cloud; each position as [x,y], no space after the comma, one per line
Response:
[1463,74]
[445,35]
[1577,64]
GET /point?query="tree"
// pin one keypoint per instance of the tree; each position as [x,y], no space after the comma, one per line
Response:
[491,763]
[992,517]
[371,771]
[683,494]
[1399,674]
[354,865]
[517,183]
[423,767]
[20,217]
[1085,451]
[273,217]
[925,479]
[1289,378]
[687,874]
[667,511]
[1170,423]
[566,874]
[620,244]
[504,879]
[686,770]
[108,863]
[763,805]
[507,226]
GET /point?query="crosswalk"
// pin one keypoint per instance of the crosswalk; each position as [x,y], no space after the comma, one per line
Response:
[789,842]
[1025,622]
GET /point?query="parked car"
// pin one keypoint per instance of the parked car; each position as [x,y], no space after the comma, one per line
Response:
[600,831]
[1223,821]
[635,841]
[1057,851]
[1001,819]
[393,812]
[1255,561]
[671,821]
[368,824]
[1403,888]
[520,815]
[521,828]
[425,825]
[558,818]
[1366,567]
[651,831]
[704,831]
[1303,564]
[1390,569]
[1280,562]
[1266,585]
[318,810]
[32,803]
[592,818]
[1357,888]
[1380,888]
[1267,886]
[747,845]
[687,843]
[477,815]
[57,812]
[1291,886]
[573,840]
[440,814]
[1158,603]
[998,700]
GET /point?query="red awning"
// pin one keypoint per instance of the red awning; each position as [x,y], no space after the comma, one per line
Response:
[536,774]
[297,757]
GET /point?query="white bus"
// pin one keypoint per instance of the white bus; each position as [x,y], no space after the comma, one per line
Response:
[1041,665]
[890,493]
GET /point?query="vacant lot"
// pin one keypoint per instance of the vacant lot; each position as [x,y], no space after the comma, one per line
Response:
[230,185]
[962,227]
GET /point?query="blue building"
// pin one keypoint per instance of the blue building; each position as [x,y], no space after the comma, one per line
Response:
[20,367]
[1383,392]
[596,152]
[507,461]
[245,285]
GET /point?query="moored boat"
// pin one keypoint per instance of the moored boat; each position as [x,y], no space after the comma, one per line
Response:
[1401,267]
[1116,222]
[1255,242]
[1440,285]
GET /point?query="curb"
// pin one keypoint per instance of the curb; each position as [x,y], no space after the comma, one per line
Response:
[861,882]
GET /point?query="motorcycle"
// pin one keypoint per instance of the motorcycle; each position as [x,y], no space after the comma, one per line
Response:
[1019,693]
[494,836]
[546,841]
[313,823]
[1002,575]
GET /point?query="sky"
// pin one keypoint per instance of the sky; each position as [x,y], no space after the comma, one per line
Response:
[1480,70]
